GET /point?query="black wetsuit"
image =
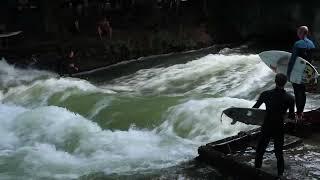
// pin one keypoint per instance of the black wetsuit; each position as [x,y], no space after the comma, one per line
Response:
[277,102]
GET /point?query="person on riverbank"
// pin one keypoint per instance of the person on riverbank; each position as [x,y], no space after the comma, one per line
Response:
[302,48]
[277,102]
[104,28]
[67,65]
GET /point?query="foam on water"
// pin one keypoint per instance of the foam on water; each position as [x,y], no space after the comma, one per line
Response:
[12,76]
[201,121]
[8,139]
[53,142]
[37,93]
[212,74]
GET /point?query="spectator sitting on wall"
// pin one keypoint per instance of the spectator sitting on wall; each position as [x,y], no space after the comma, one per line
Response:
[104,28]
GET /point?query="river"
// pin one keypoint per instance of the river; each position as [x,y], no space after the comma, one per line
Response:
[146,124]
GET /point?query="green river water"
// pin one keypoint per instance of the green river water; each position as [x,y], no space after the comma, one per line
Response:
[146,124]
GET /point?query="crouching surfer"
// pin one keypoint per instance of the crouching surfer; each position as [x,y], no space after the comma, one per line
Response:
[277,102]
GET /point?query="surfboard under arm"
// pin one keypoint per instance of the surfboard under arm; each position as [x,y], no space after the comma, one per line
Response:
[302,72]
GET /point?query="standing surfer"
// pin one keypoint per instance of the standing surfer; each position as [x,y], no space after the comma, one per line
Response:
[277,102]
[301,48]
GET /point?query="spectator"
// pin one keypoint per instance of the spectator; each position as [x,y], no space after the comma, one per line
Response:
[77,26]
[67,65]
[74,27]
[104,28]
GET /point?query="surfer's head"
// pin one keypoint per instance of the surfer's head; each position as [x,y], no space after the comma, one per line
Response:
[302,32]
[280,80]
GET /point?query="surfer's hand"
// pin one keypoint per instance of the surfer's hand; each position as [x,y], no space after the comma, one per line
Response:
[233,122]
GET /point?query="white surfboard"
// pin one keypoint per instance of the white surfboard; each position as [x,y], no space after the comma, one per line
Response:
[302,72]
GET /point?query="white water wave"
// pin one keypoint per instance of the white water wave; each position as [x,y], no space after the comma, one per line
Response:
[12,76]
[200,120]
[53,142]
[37,93]
[212,74]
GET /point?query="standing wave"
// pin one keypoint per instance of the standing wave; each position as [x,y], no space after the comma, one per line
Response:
[52,142]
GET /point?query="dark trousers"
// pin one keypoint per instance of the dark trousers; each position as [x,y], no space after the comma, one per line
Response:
[300,96]
[278,138]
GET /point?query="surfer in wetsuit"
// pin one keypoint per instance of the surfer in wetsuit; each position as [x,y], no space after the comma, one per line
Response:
[301,48]
[277,102]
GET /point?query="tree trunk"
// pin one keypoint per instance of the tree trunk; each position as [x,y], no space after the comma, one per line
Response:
[205,8]
[178,2]
[48,9]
